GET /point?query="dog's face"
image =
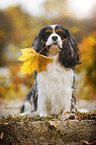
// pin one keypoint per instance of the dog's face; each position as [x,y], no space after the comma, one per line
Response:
[53,35]
[53,40]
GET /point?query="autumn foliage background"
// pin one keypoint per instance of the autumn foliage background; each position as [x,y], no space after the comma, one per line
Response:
[18,30]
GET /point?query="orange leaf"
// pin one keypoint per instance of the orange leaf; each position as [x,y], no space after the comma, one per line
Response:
[53,124]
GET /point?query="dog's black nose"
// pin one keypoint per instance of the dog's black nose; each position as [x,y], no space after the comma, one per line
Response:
[54,38]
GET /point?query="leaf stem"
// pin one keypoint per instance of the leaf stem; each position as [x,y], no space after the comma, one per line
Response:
[46,46]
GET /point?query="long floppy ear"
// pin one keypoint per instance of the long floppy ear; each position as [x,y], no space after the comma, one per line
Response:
[35,43]
[69,56]
[39,44]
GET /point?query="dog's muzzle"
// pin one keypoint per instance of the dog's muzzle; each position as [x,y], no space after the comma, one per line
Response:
[54,39]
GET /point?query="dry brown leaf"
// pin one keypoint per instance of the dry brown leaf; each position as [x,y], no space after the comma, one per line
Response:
[2,135]
[53,124]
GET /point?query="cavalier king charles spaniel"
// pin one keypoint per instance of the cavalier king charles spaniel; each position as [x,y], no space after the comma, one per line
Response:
[52,92]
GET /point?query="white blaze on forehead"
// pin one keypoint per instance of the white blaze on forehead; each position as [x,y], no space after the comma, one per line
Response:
[53,27]
[50,41]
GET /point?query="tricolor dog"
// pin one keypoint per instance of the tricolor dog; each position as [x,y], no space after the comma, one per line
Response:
[52,92]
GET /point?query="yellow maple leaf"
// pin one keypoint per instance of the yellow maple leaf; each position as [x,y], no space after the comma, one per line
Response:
[33,61]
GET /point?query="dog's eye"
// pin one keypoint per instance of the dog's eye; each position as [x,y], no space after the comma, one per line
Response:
[62,34]
[45,35]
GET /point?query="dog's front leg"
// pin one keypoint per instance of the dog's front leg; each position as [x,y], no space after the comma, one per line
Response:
[42,106]
[67,107]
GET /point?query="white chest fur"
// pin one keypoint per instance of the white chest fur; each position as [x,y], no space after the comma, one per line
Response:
[54,89]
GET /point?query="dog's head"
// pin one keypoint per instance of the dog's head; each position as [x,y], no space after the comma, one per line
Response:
[53,40]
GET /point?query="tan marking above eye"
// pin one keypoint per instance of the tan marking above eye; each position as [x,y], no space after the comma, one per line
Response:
[49,30]
[58,30]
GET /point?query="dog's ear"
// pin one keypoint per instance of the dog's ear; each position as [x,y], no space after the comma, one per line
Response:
[69,56]
[39,44]
[35,43]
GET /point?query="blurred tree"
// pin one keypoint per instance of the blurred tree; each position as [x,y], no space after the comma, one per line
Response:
[55,8]
[87,69]
[5,28]
[20,23]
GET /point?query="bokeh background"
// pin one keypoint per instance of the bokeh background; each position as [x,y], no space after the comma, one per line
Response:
[20,22]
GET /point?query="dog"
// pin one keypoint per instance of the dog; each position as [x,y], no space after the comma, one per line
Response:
[52,92]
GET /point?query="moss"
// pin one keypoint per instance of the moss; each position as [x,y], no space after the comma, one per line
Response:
[76,116]
[82,116]
[25,119]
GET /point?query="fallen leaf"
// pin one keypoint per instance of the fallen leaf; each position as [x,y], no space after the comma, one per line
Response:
[83,142]
[28,142]
[2,135]
[33,61]
[53,124]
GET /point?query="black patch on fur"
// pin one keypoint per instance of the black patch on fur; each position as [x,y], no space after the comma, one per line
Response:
[22,109]
[33,96]
[73,103]
[40,40]
[69,56]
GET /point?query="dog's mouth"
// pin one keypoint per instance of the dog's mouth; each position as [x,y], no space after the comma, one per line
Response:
[55,45]
[53,49]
